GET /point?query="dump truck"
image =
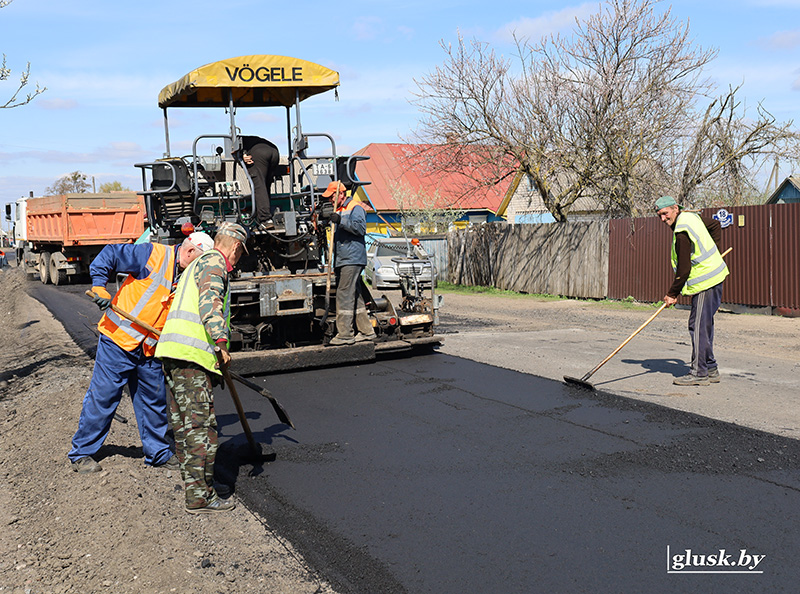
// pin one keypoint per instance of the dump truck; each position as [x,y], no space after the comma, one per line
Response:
[57,237]
[283,295]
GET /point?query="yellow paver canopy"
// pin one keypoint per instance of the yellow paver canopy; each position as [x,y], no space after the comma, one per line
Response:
[256,81]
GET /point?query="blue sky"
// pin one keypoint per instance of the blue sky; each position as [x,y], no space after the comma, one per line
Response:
[103,64]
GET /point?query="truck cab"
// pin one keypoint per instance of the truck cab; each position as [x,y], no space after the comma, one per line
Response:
[15,214]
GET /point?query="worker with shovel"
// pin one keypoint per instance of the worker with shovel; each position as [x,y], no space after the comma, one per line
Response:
[194,350]
[125,349]
[699,272]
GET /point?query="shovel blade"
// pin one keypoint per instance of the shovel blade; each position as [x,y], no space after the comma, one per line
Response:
[574,381]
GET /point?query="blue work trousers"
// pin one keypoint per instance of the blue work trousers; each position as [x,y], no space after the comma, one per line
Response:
[113,369]
[701,328]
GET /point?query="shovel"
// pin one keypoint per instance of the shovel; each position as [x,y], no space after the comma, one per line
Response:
[283,417]
[584,381]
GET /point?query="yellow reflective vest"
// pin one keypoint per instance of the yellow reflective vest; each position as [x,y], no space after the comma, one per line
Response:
[708,267]
[184,336]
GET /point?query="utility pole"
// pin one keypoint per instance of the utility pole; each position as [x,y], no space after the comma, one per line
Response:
[772,186]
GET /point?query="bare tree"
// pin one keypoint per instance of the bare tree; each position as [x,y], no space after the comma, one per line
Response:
[113,186]
[606,113]
[636,76]
[5,73]
[723,150]
[74,182]
[425,211]
[476,109]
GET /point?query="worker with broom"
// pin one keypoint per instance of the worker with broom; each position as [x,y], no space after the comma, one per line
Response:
[192,347]
[699,272]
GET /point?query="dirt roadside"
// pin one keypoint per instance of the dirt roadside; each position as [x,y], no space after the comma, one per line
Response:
[125,531]
[122,530]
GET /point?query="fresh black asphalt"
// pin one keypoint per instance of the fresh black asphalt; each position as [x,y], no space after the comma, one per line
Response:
[438,474]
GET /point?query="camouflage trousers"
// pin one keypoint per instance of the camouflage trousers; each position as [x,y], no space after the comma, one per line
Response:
[194,424]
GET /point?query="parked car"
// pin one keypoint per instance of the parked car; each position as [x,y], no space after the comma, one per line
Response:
[389,259]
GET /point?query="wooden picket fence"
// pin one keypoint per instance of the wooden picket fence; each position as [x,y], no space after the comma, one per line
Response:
[568,260]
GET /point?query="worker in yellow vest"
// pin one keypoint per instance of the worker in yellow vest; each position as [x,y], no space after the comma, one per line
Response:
[125,349]
[197,324]
[699,272]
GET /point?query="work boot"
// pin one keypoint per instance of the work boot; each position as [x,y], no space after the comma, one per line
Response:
[339,340]
[691,380]
[217,505]
[361,337]
[222,489]
[713,375]
[172,463]
[86,465]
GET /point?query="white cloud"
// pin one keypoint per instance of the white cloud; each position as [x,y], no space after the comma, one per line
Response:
[57,104]
[782,40]
[541,26]
[113,151]
[97,89]
[261,117]
[778,3]
[367,28]
[405,32]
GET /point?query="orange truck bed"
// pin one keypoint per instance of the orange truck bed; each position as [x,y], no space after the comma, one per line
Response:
[86,219]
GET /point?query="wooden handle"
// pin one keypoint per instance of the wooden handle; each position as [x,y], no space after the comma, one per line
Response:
[639,329]
[128,316]
[237,403]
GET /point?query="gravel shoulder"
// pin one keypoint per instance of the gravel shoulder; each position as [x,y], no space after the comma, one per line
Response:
[122,530]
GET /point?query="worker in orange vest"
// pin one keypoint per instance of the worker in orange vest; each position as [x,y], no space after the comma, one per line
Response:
[125,350]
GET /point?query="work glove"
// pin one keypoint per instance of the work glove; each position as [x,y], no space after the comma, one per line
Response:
[101,297]
[335,218]
[224,354]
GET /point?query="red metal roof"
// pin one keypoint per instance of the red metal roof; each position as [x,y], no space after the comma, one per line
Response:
[393,163]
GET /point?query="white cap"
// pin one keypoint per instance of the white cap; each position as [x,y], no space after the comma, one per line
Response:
[202,240]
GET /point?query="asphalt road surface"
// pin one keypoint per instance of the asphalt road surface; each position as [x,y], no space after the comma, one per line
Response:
[438,474]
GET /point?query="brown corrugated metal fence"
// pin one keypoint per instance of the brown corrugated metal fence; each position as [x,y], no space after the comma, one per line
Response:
[764,263]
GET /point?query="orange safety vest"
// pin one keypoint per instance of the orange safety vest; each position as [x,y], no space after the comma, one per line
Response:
[147,299]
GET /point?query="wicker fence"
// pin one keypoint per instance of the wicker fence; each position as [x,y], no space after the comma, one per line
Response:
[569,260]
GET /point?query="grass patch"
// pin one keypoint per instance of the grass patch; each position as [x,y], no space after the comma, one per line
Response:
[473,290]
[626,304]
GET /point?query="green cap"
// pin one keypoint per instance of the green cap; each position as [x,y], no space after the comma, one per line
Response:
[233,230]
[665,201]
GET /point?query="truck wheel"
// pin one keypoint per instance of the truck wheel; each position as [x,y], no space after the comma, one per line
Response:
[44,267]
[57,277]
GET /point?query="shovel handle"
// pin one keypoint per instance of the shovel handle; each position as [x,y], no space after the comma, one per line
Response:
[128,316]
[227,374]
[223,367]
